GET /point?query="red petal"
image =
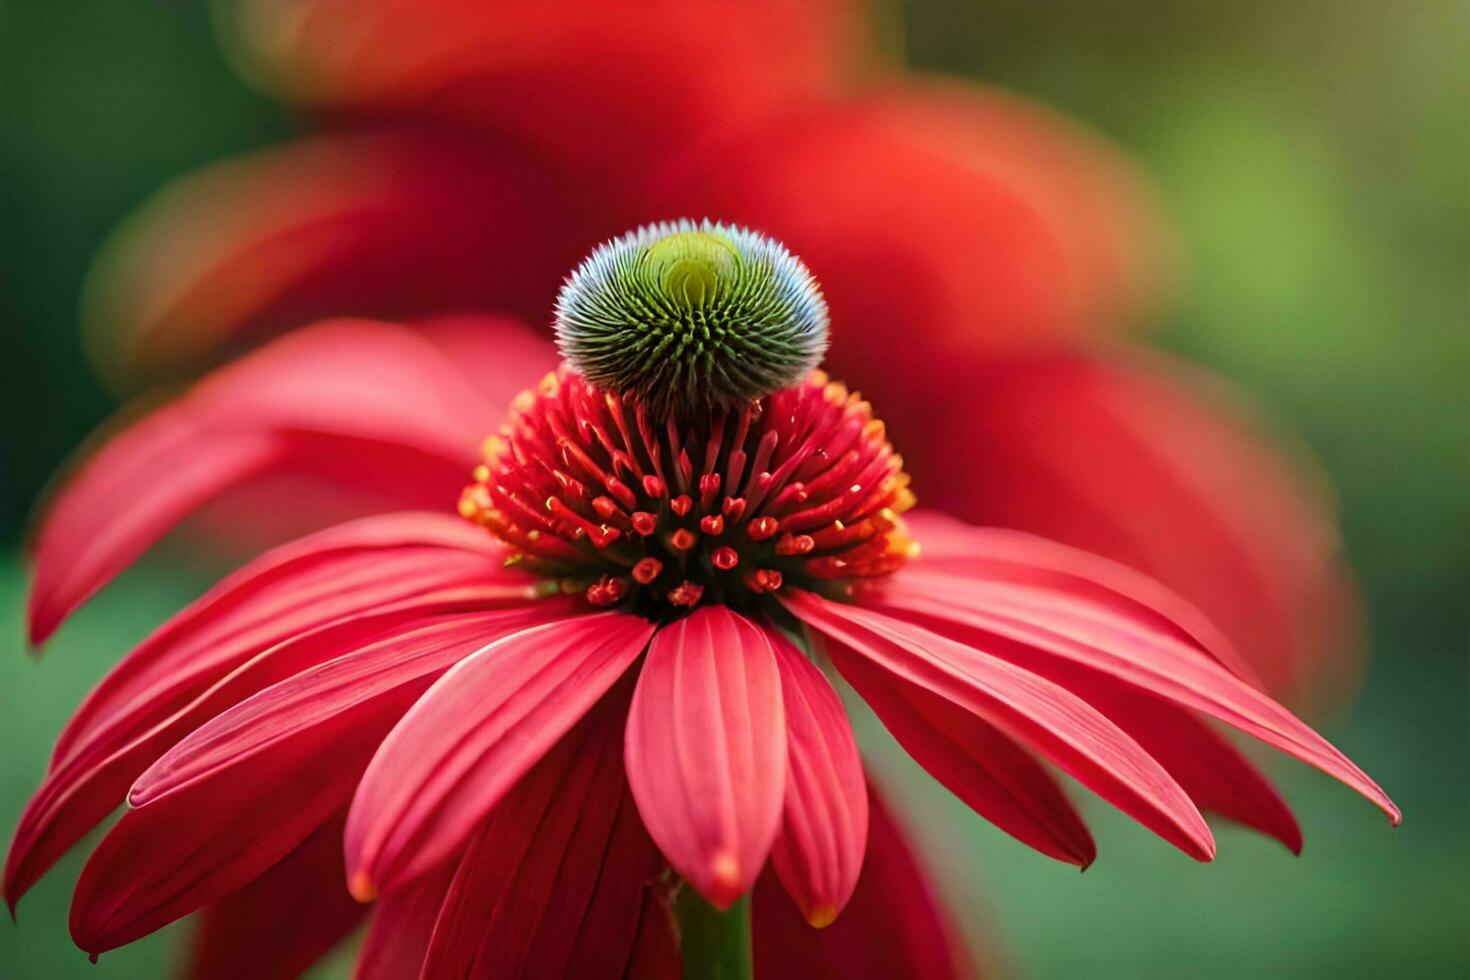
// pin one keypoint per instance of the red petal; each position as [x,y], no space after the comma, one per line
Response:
[551,885]
[371,223]
[476,732]
[1157,465]
[655,953]
[824,829]
[347,570]
[978,762]
[706,749]
[328,400]
[1048,718]
[402,922]
[1212,771]
[176,679]
[602,92]
[323,688]
[894,926]
[196,846]
[1053,640]
[1000,557]
[282,922]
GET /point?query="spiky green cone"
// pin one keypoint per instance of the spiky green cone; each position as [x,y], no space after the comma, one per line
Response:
[688,315]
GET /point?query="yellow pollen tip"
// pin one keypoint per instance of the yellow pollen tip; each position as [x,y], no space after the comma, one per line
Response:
[362,888]
[725,872]
[822,916]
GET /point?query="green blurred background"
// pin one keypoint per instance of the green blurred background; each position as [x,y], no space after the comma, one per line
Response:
[1315,157]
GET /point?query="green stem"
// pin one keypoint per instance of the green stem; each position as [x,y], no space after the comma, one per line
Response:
[715,945]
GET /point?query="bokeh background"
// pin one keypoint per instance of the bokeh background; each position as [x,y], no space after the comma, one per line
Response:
[1315,161]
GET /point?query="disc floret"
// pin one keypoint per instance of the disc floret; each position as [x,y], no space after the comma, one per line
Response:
[687,315]
[800,487]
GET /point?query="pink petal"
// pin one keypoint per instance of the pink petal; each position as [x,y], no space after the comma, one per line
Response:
[378,223]
[894,926]
[212,838]
[1004,557]
[183,676]
[613,918]
[476,732]
[282,922]
[338,572]
[824,829]
[401,924]
[79,794]
[706,749]
[316,695]
[343,399]
[551,885]
[1043,715]
[1157,464]
[1051,641]
[977,761]
[1212,771]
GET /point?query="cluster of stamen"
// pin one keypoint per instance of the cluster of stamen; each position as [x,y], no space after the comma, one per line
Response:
[797,488]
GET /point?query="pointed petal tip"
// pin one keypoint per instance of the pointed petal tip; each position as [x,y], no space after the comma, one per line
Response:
[362,888]
[724,887]
[39,626]
[822,916]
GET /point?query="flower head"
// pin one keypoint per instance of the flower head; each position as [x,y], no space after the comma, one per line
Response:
[685,316]
[628,682]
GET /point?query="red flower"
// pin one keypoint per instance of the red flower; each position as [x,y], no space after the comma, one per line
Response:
[471,149]
[522,727]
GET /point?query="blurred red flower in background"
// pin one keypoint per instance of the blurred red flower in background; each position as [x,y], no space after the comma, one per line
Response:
[969,243]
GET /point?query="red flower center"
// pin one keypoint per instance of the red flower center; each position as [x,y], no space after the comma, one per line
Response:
[800,487]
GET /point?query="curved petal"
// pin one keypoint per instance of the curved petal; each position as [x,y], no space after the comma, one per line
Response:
[215,653]
[706,749]
[976,221]
[398,222]
[824,828]
[978,762]
[402,923]
[342,399]
[894,926]
[1212,771]
[1002,559]
[313,696]
[476,732]
[600,90]
[1055,641]
[195,847]
[346,570]
[551,885]
[304,740]
[282,922]
[1041,714]
[1159,466]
